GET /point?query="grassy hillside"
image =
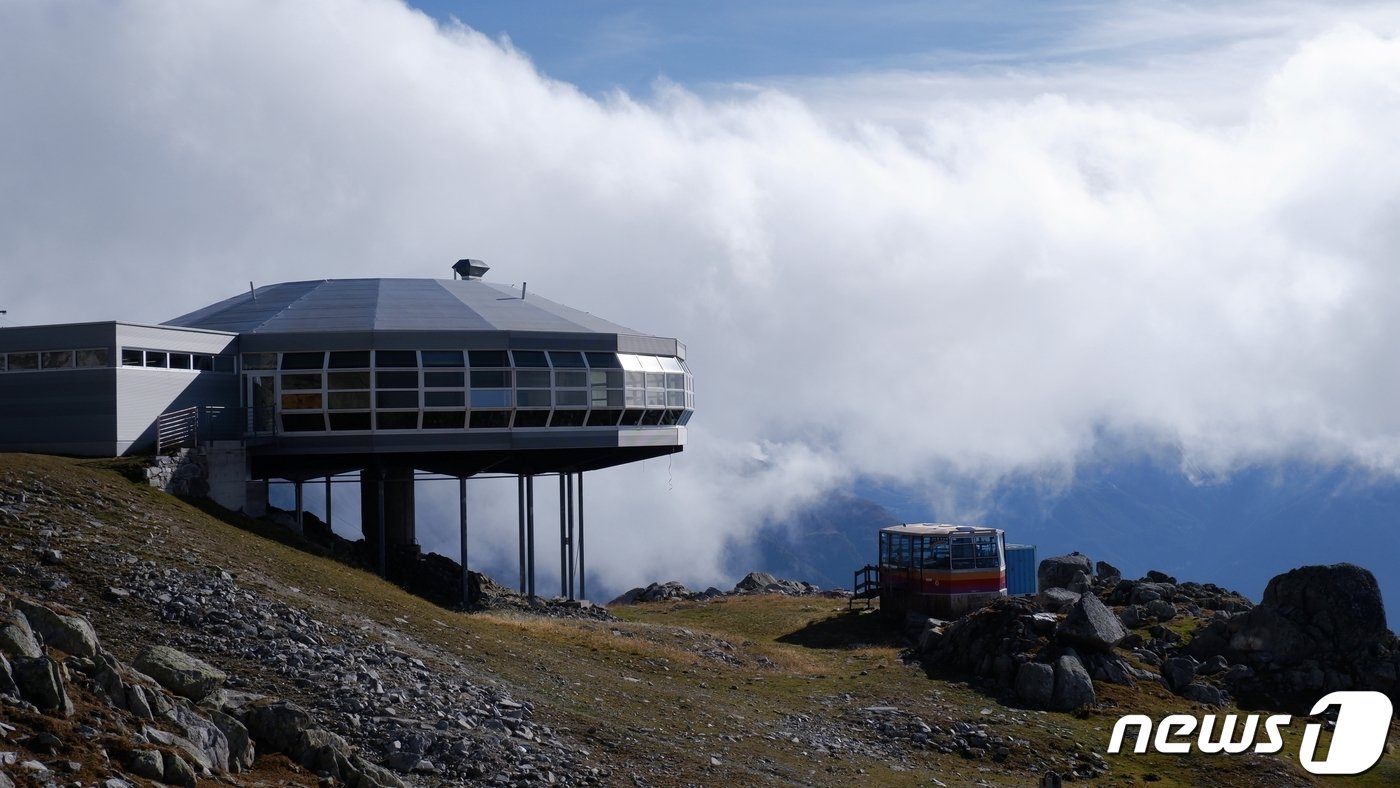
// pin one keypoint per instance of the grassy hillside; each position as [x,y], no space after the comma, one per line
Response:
[754,690]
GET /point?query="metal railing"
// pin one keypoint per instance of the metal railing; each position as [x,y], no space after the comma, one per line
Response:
[866,584]
[188,427]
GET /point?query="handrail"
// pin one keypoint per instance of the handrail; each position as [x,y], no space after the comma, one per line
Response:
[866,584]
[177,429]
[187,427]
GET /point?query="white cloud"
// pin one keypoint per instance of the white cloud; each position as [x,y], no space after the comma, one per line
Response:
[974,274]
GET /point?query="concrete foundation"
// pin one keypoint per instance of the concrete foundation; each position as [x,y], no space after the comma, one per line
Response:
[398,505]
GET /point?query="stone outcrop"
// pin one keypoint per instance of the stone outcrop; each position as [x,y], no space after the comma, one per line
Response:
[182,674]
[1091,625]
[1060,570]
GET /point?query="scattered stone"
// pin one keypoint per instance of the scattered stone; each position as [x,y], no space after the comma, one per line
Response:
[1091,625]
[1073,687]
[1058,571]
[16,636]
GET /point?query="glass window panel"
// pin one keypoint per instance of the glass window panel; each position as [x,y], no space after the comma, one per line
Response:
[651,417]
[395,358]
[675,399]
[568,418]
[203,362]
[631,418]
[670,364]
[56,359]
[490,379]
[259,360]
[636,380]
[24,361]
[532,418]
[532,398]
[488,358]
[349,359]
[675,380]
[651,363]
[303,422]
[530,358]
[603,418]
[349,421]
[532,379]
[566,358]
[396,399]
[615,399]
[397,421]
[4,365]
[155,358]
[396,380]
[350,380]
[444,420]
[571,399]
[349,400]
[181,361]
[442,358]
[570,378]
[303,360]
[656,380]
[301,401]
[630,362]
[444,399]
[603,360]
[656,398]
[685,417]
[302,382]
[488,419]
[636,398]
[668,417]
[490,398]
[133,358]
[444,380]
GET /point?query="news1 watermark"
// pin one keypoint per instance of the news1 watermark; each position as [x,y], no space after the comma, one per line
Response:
[1358,737]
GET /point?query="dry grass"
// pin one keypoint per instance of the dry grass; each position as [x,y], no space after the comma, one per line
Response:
[656,695]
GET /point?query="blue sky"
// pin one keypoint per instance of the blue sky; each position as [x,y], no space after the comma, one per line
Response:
[601,45]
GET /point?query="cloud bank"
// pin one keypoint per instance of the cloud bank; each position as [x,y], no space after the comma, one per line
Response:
[955,283]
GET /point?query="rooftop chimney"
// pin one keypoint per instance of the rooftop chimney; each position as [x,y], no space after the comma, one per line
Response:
[470,269]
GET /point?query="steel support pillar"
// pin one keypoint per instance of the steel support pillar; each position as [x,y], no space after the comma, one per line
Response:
[383,528]
[530,536]
[563,539]
[328,504]
[582,588]
[466,575]
[520,500]
[297,485]
[569,479]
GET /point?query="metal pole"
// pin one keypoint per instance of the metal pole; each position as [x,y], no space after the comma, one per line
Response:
[328,503]
[530,534]
[563,542]
[520,499]
[582,591]
[383,526]
[297,485]
[466,578]
[570,479]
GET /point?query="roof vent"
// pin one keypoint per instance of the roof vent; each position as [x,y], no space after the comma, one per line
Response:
[470,269]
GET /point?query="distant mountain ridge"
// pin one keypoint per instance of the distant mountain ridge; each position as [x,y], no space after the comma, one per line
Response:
[1139,514]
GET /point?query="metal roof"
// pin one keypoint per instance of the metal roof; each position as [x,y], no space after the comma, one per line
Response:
[391,305]
[939,529]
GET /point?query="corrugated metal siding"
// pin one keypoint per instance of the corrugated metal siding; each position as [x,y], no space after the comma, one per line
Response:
[183,340]
[62,411]
[1020,569]
[144,394]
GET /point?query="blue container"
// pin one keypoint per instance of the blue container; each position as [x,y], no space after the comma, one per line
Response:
[1020,569]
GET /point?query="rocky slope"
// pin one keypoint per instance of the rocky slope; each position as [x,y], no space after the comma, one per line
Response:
[147,641]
